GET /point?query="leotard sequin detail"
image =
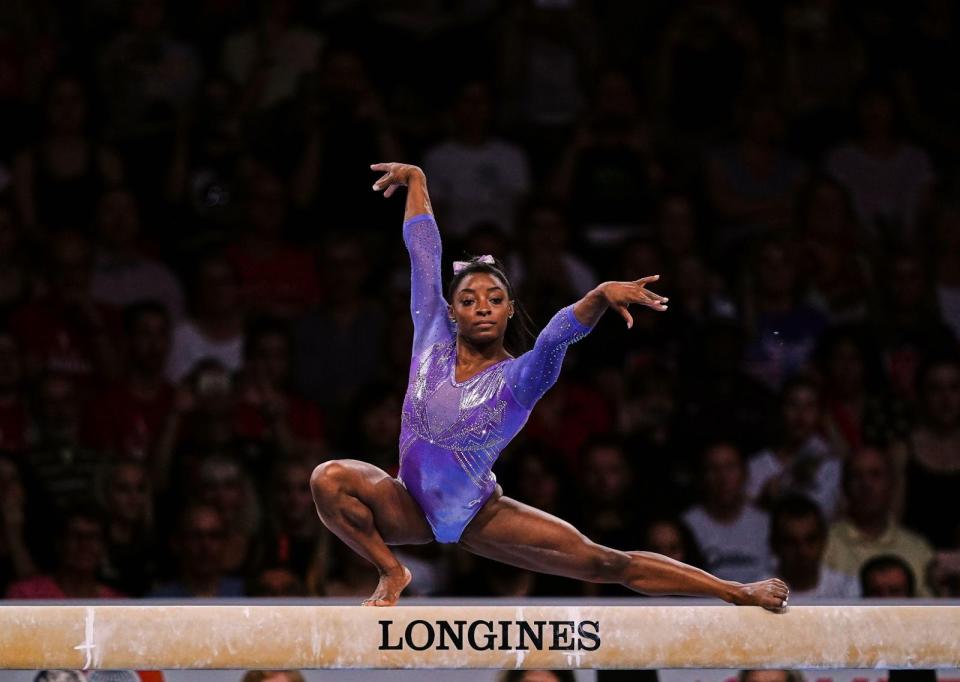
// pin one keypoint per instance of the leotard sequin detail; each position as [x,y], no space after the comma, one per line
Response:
[452,432]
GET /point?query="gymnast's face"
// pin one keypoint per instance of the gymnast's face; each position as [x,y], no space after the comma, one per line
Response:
[481,308]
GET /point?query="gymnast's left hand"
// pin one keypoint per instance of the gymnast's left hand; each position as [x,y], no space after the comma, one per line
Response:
[620,295]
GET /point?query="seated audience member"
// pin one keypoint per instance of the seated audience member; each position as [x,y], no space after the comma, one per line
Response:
[869,528]
[199,546]
[798,538]
[769,676]
[276,582]
[537,676]
[933,456]
[79,555]
[268,413]
[16,559]
[215,326]
[14,420]
[130,561]
[272,676]
[293,531]
[60,470]
[783,328]
[606,483]
[276,278]
[731,532]
[65,330]
[887,576]
[801,462]
[475,175]
[672,538]
[122,273]
[127,418]
[224,484]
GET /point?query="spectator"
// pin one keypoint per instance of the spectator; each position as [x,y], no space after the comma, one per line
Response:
[731,533]
[609,173]
[783,329]
[199,546]
[293,533]
[13,410]
[268,415]
[66,330]
[933,455]
[127,418]
[123,273]
[57,180]
[130,561]
[550,274]
[671,537]
[869,528]
[79,554]
[338,345]
[272,676]
[277,582]
[769,676]
[858,408]
[798,538]
[946,263]
[215,328]
[537,676]
[375,430]
[753,184]
[909,328]
[16,270]
[16,559]
[268,59]
[61,471]
[276,279]
[475,176]
[887,576]
[835,265]
[801,460]
[147,75]
[889,179]
[224,485]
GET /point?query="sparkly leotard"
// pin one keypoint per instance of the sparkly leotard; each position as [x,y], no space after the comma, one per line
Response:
[452,432]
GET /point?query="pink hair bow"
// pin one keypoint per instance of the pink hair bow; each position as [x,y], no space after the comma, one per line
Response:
[459,265]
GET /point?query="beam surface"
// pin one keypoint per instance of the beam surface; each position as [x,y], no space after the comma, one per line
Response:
[499,637]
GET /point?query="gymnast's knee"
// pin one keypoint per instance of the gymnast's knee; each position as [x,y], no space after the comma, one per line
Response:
[329,478]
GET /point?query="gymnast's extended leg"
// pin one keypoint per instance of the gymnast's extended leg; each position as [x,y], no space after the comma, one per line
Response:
[368,509]
[515,533]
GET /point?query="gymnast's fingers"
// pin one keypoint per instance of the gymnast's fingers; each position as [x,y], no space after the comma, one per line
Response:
[390,190]
[647,280]
[383,181]
[622,309]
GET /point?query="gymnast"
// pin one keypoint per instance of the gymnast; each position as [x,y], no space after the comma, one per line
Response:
[466,399]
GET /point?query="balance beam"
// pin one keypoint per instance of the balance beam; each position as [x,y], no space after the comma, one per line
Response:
[499,637]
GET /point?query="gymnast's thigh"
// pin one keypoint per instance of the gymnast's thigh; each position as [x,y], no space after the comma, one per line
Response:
[515,533]
[397,516]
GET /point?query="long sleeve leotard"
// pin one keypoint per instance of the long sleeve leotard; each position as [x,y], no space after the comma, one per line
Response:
[452,432]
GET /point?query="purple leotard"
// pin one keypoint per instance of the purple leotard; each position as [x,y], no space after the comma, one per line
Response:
[452,432]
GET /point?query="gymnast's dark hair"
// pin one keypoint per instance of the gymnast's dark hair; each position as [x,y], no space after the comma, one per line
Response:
[519,336]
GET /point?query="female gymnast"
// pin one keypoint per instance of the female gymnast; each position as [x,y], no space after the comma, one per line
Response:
[466,399]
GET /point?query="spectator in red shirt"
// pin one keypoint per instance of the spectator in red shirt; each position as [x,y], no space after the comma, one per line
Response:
[13,413]
[66,330]
[275,278]
[267,412]
[79,555]
[127,418]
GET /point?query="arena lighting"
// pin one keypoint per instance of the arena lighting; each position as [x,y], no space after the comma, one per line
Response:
[578,635]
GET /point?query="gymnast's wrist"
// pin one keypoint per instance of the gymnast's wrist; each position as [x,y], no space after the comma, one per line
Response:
[731,591]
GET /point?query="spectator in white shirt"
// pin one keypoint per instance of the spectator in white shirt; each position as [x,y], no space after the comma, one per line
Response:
[475,176]
[798,538]
[732,534]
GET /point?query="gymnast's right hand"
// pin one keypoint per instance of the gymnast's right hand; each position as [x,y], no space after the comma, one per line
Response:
[395,175]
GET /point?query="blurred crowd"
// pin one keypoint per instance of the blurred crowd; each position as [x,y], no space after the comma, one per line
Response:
[201,298]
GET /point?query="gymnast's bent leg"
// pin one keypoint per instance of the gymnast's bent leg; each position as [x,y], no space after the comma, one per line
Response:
[520,535]
[368,509]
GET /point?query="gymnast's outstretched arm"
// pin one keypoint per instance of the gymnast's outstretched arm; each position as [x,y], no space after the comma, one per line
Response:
[422,238]
[534,372]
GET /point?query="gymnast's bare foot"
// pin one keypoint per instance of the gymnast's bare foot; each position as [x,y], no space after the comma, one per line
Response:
[389,588]
[772,594]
